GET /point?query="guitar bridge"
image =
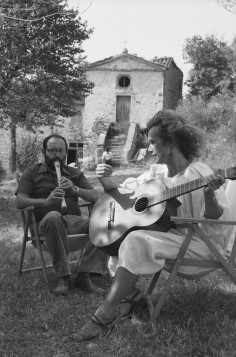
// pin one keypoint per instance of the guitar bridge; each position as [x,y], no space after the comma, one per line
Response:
[111,215]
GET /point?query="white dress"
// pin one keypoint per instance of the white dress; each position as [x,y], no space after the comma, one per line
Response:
[144,252]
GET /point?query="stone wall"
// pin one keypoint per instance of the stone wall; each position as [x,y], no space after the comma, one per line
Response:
[145,90]
[173,87]
[72,130]
[150,90]
[131,142]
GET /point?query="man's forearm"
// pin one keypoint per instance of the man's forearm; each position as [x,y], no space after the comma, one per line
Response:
[24,202]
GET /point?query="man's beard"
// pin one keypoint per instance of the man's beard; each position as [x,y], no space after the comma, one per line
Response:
[51,162]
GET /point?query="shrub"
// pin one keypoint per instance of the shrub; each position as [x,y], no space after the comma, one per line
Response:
[100,125]
[28,150]
[220,149]
[210,115]
[216,118]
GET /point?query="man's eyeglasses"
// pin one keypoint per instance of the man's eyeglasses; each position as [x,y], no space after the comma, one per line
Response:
[54,151]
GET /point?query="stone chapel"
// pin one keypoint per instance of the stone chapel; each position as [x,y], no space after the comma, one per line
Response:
[128,91]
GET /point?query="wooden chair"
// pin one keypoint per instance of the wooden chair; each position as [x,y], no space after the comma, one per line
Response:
[173,266]
[76,241]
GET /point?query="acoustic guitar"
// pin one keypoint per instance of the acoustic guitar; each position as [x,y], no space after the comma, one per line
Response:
[120,211]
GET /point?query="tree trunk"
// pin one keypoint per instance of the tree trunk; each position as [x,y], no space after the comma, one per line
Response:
[13,147]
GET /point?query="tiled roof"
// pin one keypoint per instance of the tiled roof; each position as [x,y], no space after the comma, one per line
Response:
[127,55]
[163,61]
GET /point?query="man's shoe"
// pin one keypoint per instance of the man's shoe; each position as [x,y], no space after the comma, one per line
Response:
[84,282]
[63,286]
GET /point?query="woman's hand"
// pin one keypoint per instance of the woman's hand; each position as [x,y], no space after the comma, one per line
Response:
[212,209]
[103,170]
[214,182]
[103,173]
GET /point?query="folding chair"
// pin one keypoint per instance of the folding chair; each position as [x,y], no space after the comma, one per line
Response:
[77,241]
[172,266]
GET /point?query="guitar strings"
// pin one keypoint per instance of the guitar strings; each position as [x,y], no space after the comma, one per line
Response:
[141,203]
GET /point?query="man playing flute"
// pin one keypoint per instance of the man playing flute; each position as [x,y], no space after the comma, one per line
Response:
[39,187]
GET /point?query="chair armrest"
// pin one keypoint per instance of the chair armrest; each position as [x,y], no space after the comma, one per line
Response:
[182,220]
[30,208]
[88,204]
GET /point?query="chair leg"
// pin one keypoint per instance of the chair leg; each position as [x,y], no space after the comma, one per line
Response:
[226,266]
[25,238]
[164,293]
[233,254]
[22,253]
[40,253]
[172,276]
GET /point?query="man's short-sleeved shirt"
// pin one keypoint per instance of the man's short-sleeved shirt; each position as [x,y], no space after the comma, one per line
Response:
[38,181]
[107,155]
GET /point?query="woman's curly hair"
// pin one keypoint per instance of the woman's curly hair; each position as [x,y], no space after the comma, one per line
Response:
[175,129]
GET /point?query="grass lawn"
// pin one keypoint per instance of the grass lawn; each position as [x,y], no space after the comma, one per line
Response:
[197,320]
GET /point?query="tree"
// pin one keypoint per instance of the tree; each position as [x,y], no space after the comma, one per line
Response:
[42,70]
[213,65]
[229,5]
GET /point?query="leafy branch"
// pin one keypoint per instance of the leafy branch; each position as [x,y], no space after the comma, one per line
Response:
[229,5]
[3,16]
[34,9]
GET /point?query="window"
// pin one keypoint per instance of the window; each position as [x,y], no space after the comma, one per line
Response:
[124,81]
[74,153]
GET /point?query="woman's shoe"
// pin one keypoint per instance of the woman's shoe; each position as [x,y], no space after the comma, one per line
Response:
[85,334]
[135,305]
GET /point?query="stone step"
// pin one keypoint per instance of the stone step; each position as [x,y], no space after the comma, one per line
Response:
[116,145]
[115,139]
[116,149]
[117,154]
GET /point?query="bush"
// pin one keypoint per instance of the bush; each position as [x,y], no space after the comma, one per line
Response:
[210,115]
[117,129]
[220,149]
[215,117]
[28,150]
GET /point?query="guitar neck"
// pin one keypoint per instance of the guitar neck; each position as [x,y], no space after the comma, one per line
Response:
[179,190]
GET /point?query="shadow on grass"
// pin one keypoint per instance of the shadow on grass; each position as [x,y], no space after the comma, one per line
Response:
[198,318]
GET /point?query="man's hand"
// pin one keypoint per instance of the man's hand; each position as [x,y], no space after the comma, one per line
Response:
[103,170]
[57,194]
[67,185]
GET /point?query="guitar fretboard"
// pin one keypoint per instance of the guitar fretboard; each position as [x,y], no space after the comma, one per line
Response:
[178,191]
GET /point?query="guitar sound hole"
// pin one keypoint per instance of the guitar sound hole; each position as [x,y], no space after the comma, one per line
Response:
[141,204]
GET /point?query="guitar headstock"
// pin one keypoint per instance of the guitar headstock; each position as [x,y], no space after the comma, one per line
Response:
[229,173]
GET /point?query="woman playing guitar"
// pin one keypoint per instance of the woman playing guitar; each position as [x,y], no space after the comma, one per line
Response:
[143,251]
